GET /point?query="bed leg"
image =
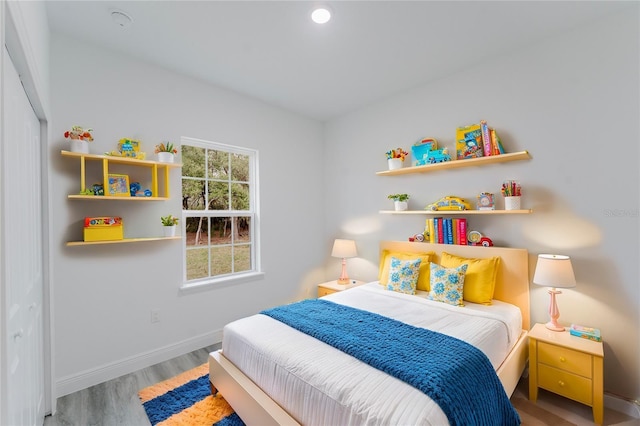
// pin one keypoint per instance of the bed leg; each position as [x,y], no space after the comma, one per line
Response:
[214,391]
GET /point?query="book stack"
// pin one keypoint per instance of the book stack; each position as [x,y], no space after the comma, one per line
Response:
[585,332]
[447,230]
[477,140]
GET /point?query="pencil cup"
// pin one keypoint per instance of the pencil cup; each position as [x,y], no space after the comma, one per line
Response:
[395,163]
[512,203]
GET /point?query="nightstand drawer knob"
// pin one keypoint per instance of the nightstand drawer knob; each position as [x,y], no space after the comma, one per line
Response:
[560,383]
[562,359]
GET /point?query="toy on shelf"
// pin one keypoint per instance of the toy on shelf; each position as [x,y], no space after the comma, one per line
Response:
[103,228]
[486,201]
[98,189]
[129,148]
[426,152]
[449,203]
[475,238]
[136,190]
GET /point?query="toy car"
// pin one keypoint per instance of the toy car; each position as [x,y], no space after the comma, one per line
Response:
[449,203]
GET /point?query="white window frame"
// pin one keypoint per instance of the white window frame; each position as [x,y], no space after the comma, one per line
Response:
[253,212]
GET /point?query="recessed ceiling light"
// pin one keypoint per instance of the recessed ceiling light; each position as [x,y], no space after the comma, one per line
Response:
[321,15]
[121,18]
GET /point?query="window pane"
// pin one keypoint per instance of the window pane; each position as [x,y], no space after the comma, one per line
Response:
[216,185]
[192,194]
[197,230]
[218,195]
[243,226]
[240,167]
[242,258]
[239,196]
[192,161]
[218,164]
[221,260]
[197,263]
[220,230]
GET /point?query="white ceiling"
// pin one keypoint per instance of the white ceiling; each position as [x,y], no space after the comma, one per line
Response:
[272,51]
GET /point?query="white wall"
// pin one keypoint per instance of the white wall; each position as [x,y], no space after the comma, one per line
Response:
[104,294]
[573,102]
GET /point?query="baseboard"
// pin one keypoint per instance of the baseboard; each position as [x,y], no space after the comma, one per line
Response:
[88,378]
[621,405]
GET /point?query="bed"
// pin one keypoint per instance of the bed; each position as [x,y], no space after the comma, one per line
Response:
[305,381]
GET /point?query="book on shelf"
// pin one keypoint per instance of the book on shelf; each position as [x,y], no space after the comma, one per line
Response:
[443,230]
[496,144]
[449,232]
[585,332]
[462,231]
[469,142]
[486,139]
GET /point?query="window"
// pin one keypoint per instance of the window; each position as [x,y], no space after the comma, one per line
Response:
[219,212]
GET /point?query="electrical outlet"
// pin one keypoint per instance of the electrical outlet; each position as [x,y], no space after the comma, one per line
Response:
[155,315]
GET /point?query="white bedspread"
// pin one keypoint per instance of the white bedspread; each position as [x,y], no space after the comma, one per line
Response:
[320,385]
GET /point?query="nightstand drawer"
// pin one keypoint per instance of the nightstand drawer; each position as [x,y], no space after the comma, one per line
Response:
[565,384]
[323,291]
[565,359]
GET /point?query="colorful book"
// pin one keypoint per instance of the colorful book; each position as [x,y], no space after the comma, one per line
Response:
[449,232]
[486,139]
[455,230]
[432,233]
[469,142]
[439,230]
[585,332]
[462,232]
[495,142]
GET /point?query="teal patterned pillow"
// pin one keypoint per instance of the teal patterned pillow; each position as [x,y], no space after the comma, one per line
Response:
[403,275]
[447,284]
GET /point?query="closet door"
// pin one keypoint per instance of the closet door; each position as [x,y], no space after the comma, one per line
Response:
[21,256]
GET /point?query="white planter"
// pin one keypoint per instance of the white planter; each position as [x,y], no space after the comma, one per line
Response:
[165,157]
[512,203]
[78,145]
[169,231]
[395,163]
[400,205]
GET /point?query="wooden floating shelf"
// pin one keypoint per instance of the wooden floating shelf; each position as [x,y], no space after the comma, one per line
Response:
[126,240]
[455,212]
[113,197]
[454,164]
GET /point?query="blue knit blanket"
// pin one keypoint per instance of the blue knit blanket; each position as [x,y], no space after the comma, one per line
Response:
[455,374]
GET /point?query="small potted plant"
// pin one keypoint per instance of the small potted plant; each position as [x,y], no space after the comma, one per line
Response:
[169,223]
[395,158]
[80,138]
[399,201]
[166,151]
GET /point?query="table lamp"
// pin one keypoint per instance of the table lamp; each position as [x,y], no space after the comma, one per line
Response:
[344,249]
[555,271]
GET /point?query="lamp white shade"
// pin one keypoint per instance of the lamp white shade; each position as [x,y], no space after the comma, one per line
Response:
[554,270]
[344,248]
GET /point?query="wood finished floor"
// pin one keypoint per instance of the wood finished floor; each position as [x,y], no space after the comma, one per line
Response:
[116,403]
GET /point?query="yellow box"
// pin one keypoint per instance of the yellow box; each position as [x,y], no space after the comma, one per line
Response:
[103,228]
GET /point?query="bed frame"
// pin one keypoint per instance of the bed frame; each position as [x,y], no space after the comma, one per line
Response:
[254,406]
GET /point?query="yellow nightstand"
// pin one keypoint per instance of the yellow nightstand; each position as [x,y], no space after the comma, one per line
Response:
[566,365]
[333,287]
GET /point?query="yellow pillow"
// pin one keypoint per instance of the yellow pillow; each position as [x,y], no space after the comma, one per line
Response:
[423,277]
[480,279]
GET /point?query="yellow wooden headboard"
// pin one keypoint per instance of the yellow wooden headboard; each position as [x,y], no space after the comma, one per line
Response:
[512,283]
